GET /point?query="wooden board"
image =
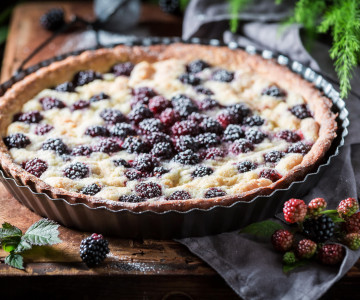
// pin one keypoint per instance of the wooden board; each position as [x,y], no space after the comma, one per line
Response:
[148,269]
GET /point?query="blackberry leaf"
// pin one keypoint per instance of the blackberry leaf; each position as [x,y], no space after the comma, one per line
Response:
[8,231]
[263,229]
[43,232]
[15,260]
[300,263]
[22,246]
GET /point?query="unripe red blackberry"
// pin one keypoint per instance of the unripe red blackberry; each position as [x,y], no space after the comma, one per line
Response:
[352,223]
[282,240]
[294,210]
[316,206]
[348,207]
[352,240]
[331,254]
[305,249]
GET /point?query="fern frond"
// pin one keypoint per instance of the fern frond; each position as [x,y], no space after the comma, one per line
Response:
[235,7]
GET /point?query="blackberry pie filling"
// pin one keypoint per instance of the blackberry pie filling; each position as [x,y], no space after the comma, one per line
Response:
[164,130]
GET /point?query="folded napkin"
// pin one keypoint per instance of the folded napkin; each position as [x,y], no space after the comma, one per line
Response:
[250,265]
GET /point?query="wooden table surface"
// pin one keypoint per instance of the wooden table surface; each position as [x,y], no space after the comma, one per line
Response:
[136,269]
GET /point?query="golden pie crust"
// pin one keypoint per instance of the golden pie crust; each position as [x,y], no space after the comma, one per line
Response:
[103,59]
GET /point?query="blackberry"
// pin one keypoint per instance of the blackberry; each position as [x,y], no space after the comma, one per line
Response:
[187,157]
[112,116]
[273,91]
[48,103]
[162,150]
[270,174]
[197,117]
[225,118]
[282,240]
[211,125]
[135,145]
[121,162]
[170,6]
[186,127]
[289,136]
[65,87]
[214,192]
[352,223]
[207,140]
[17,140]
[99,97]
[320,229]
[190,79]
[56,145]
[186,142]
[205,91]
[80,104]
[179,195]
[29,117]
[133,174]
[158,171]
[208,104]
[148,189]
[158,104]
[85,77]
[197,66]
[122,130]
[35,166]
[255,136]
[142,95]
[81,150]
[93,249]
[222,75]
[91,189]
[246,166]
[132,198]
[299,147]
[305,249]
[294,210]
[168,117]
[331,254]
[97,130]
[273,156]
[144,163]
[254,120]
[233,132]
[347,207]
[76,170]
[53,20]
[241,146]
[157,137]
[239,110]
[212,153]
[42,129]
[140,112]
[123,69]
[148,126]
[202,171]
[183,105]
[301,111]
[109,145]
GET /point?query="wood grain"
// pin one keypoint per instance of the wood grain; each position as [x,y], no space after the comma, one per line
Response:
[148,269]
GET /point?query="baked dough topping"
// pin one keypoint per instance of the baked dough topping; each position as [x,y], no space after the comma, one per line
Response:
[165,130]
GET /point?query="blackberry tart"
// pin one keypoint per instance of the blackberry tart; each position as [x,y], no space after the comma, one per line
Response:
[163,128]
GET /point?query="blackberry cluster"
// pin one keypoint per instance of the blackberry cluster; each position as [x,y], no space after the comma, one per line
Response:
[299,147]
[142,95]
[212,153]
[56,145]
[183,105]
[53,20]
[270,174]
[122,130]
[202,171]
[121,162]
[239,110]
[157,137]
[134,174]
[211,125]
[76,170]
[179,195]
[123,69]
[94,249]
[158,171]
[158,104]
[36,167]
[80,104]
[17,140]
[289,136]
[226,117]
[208,104]
[320,229]
[91,189]
[169,116]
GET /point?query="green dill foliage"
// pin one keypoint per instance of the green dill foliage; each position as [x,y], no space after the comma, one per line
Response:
[340,18]
[43,232]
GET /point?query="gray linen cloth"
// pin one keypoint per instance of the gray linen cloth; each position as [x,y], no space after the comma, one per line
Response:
[249,265]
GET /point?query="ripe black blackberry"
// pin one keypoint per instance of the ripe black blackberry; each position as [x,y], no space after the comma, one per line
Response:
[190,79]
[97,130]
[273,156]
[93,249]
[81,150]
[17,140]
[162,150]
[53,20]
[214,192]
[186,142]
[122,130]
[255,136]
[207,140]
[132,198]
[134,174]
[254,120]
[91,189]
[158,171]
[42,129]
[197,66]
[144,162]
[148,126]
[67,86]
[222,75]
[233,132]
[299,147]
[109,145]
[183,105]
[35,166]
[134,144]
[170,6]
[187,127]
[320,229]
[142,95]
[273,91]
[187,157]
[240,110]
[99,97]
[29,117]
[157,137]
[241,146]
[76,170]
[80,104]
[246,166]
[202,171]
[112,116]
[85,77]
[208,103]
[121,162]
[148,189]
[48,103]
[300,111]
[56,145]
[179,195]
[123,69]
[140,112]
[211,125]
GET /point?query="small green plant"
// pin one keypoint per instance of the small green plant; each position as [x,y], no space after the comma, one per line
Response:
[340,18]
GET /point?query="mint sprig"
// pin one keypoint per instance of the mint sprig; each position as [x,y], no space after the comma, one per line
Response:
[43,232]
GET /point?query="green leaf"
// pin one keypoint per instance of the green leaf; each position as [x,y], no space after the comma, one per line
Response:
[3,33]
[184,4]
[262,229]
[329,212]
[300,263]
[43,232]
[8,231]
[336,219]
[333,215]
[10,243]
[235,7]
[15,260]
[22,246]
